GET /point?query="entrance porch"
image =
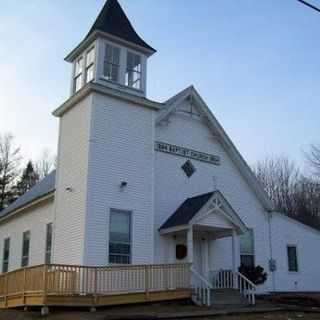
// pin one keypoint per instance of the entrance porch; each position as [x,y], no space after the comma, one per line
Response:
[208,228]
[81,286]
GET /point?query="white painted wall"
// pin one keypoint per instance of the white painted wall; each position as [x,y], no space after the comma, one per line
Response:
[104,141]
[34,219]
[172,187]
[70,206]
[286,231]
[121,149]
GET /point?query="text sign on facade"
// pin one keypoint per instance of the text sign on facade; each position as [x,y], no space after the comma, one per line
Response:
[188,153]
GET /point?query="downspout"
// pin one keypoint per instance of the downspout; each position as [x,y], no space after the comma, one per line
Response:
[271,250]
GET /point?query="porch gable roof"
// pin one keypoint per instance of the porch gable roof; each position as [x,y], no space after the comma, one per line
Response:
[198,207]
[187,210]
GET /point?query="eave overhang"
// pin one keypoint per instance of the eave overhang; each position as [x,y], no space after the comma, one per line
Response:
[107,36]
[34,202]
[93,87]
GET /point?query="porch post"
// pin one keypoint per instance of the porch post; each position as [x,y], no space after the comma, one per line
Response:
[205,245]
[234,258]
[190,244]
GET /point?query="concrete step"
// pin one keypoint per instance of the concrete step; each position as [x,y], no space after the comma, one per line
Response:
[228,297]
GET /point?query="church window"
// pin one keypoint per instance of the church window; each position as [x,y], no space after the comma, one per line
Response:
[78,75]
[133,71]
[120,237]
[111,63]
[90,65]
[247,249]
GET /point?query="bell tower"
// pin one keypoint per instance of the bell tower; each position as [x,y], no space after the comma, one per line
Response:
[112,54]
[106,148]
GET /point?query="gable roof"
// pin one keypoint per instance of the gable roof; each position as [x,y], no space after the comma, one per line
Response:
[187,210]
[41,189]
[218,131]
[113,20]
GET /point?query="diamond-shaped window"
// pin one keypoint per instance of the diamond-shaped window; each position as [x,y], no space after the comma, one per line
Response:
[188,168]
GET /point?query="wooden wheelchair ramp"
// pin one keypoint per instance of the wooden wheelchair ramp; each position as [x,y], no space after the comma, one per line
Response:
[66,285]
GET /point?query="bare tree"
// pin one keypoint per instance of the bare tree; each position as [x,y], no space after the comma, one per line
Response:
[291,192]
[313,158]
[278,176]
[9,168]
[45,164]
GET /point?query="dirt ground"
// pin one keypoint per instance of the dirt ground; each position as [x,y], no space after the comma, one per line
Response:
[20,315]
[271,316]
[103,315]
[151,310]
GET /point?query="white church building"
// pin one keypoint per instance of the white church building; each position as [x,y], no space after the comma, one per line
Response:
[142,182]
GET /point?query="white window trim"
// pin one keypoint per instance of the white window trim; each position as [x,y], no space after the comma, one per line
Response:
[253,246]
[122,68]
[140,72]
[297,257]
[28,256]
[80,74]
[46,251]
[92,64]
[3,260]
[102,76]
[130,212]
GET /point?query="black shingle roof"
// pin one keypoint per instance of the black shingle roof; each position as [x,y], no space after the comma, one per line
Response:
[113,20]
[45,186]
[187,211]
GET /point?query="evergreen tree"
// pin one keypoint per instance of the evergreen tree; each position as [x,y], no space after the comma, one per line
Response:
[27,180]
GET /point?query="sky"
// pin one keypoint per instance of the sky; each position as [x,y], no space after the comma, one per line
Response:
[255,63]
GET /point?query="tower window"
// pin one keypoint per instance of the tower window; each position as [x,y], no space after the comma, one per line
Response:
[133,71]
[120,237]
[90,65]
[111,63]
[78,75]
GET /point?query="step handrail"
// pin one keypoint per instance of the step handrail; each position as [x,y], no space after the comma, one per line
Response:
[229,279]
[248,290]
[202,288]
[246,279]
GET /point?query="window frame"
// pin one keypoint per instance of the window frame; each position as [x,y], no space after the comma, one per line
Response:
[25,257]
[130,214]
[91,64]
[48,251]
[104,62]
[296,256]
[253,255]
[5,262]
[133,71]
[78,74]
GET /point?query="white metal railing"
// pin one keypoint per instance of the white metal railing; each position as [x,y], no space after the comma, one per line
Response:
[202,288]
[247,288]
[229,279]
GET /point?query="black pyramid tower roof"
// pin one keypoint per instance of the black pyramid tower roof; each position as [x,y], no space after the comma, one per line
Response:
[113,20]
